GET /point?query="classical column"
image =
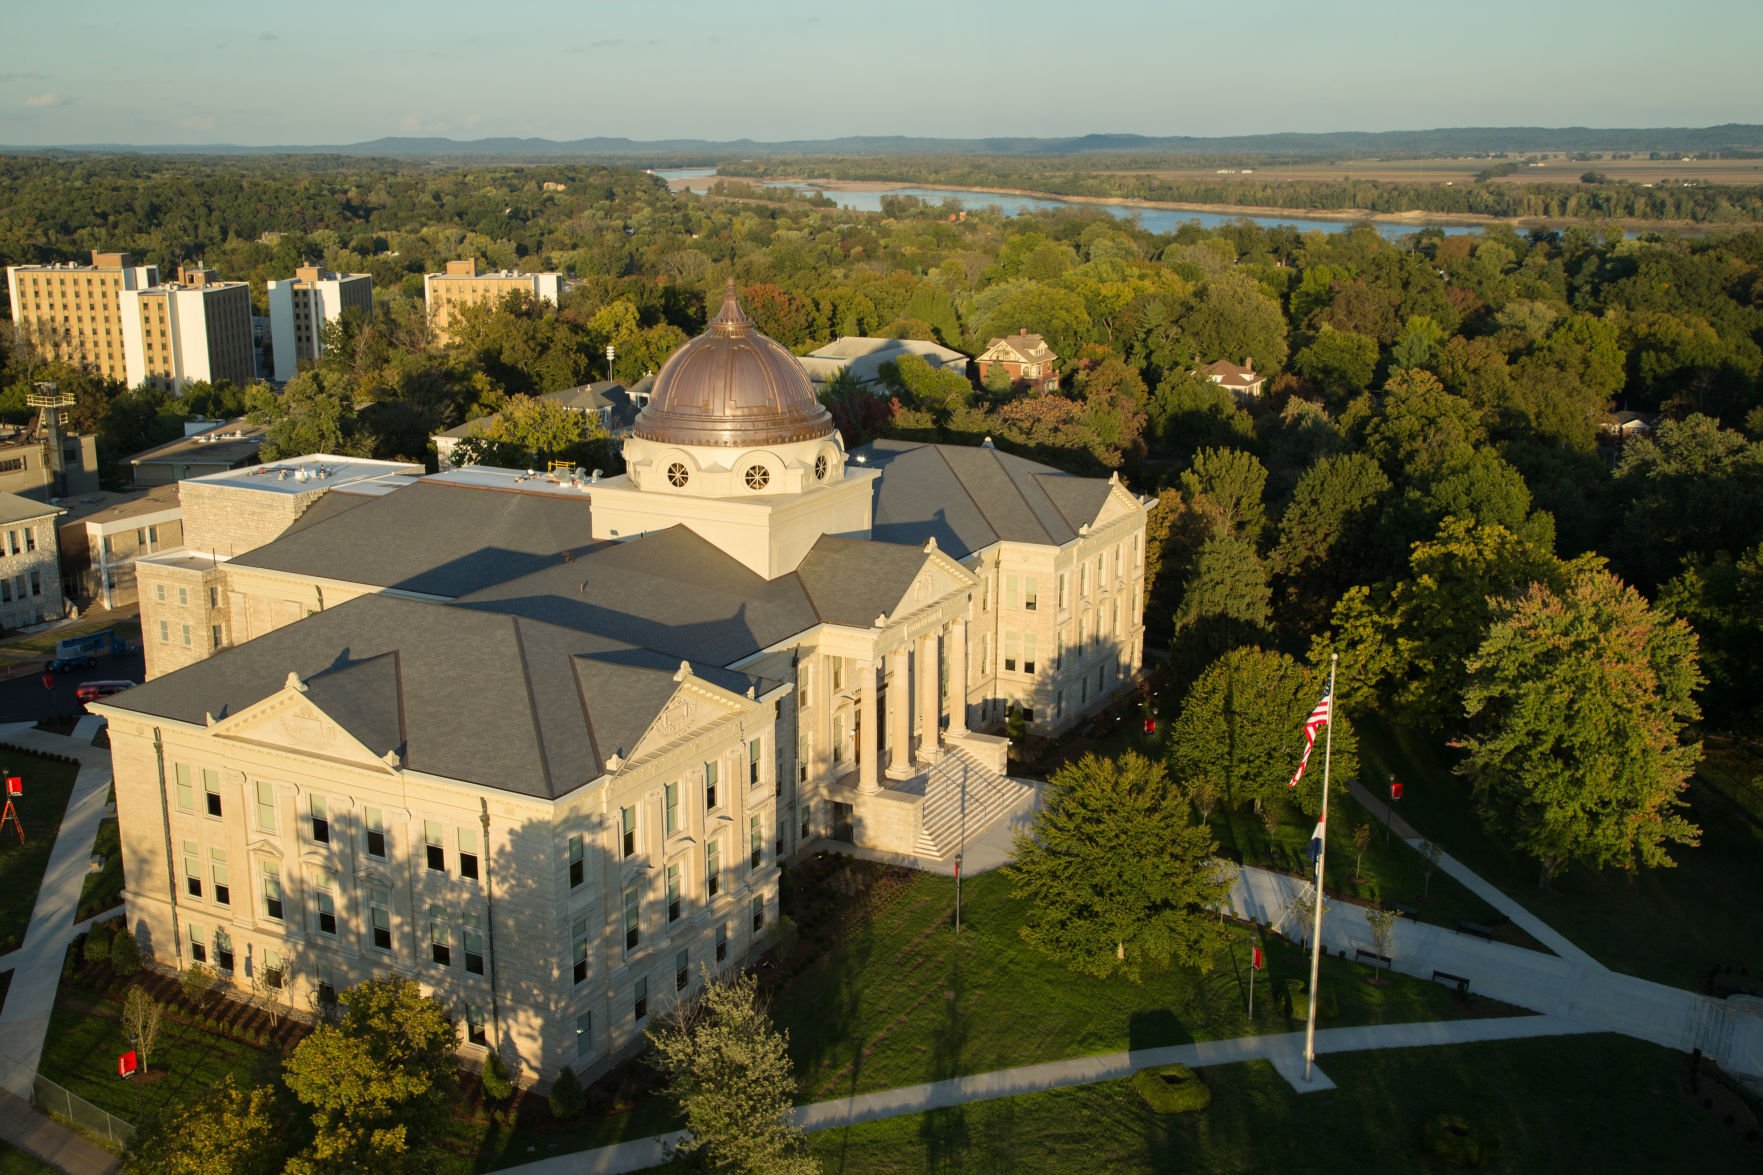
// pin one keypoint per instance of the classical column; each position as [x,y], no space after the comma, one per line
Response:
[958,676]
[899,717]
[929,712]
[868,779]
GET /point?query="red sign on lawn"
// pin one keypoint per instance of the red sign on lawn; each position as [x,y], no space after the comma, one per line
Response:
[1395,790]
[1260,959]
[15,785]
[125,1064]
[1150,726]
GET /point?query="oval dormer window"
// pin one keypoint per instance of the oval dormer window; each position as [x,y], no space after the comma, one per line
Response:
[820,468]
[758,477]
[678,475]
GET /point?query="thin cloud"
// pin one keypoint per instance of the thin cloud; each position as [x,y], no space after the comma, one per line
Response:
[612,44]
[40,101]
[266,35]
[197,122]
[22,77]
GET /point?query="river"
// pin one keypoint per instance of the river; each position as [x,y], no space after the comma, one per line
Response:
[1157,220]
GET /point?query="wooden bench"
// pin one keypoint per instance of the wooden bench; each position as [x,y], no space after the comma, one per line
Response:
[1477,929]
[1405,911]
[1361,955]
[1461,982]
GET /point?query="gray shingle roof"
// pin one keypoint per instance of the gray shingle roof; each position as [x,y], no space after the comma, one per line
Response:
[969,497]
[445,540]
[482,696]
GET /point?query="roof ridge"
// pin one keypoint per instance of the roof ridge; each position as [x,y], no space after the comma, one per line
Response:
[532,704]
[1010,475]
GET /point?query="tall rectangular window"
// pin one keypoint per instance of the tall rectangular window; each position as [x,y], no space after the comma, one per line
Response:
[186,790]
[640,1000]
[1012,651]
[320,811]
[1028,652]
[584,1034]
[632,926]
[434,845]
[673,892]
[576,867]
[223,951]
[468,853]
[670,808]
[682,971]
[223,890]
[627,819]
[272,890]
[1030,594]
[578,946]
[753,760]
[192,869]
[722,942]
[1012,590]
[265,805]
[474,1025]
[440,939]
[758,913]
[198,945]
[1064,577]
[375,823]
[710,787]
[474,944]
[756,839]
[327,909]
[712,867]
[211,788]
[380,917]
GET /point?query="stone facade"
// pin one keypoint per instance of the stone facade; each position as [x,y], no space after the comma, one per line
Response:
[30,563]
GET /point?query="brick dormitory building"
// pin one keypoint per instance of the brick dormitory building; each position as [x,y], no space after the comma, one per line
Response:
[542,741]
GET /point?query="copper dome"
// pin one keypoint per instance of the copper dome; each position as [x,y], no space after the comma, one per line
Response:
[732,386]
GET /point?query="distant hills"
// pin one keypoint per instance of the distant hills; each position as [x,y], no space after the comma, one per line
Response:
[1729,137]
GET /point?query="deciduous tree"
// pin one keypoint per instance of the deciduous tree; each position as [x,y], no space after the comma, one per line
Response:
[227,1131]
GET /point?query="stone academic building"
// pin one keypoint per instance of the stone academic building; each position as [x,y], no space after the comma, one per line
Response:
[542,741]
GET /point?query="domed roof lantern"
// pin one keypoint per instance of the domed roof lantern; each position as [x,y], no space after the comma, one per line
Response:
[734,387]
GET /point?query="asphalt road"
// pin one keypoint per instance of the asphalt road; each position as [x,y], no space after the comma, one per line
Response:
[23,698]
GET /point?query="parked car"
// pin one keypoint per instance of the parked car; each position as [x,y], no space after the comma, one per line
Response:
[69,664]
[91,691]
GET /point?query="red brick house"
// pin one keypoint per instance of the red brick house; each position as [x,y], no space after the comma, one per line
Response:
[1027,359]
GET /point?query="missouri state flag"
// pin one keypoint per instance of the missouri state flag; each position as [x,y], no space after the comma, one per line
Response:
[1318,719]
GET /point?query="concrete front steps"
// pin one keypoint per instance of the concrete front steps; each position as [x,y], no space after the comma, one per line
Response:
[989,795]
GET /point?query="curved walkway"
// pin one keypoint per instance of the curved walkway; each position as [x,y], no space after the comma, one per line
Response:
[36,973]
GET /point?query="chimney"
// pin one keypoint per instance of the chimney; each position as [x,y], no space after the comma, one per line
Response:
[1022,330]
[1248,363]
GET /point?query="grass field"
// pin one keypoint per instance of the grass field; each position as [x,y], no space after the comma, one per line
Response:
[1595,1103]
[103,890]
[1669,925]
[16,1162]
[47,784]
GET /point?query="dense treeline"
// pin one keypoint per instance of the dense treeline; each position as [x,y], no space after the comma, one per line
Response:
[1432,419]
[1699,204]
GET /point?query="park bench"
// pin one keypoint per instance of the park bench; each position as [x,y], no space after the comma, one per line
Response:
[1361,955]
[1477,929]
[1405,910]
[1461,982]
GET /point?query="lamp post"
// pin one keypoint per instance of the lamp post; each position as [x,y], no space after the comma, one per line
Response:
[611,354]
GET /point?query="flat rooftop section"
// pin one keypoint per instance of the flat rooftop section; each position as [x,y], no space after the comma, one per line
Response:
[124,507]
[563,483]
[16,509]
[379,486]
[301,475]
[228,442]
[183,559]
[863,356]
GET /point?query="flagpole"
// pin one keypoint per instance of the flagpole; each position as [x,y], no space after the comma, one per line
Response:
[1321,859]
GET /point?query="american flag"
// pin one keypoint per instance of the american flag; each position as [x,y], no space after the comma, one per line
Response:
[1318,719]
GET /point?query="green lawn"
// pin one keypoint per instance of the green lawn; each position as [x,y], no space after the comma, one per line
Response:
[901,999]
[1669,925]
[103,889]
[1598,1103]
[86,1037]
[16,1162]
[47,786]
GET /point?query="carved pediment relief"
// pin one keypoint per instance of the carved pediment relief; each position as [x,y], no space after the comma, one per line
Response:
[290,722]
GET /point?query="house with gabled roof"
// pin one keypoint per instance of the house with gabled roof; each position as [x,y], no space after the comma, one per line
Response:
[1025,358]
[1242,381]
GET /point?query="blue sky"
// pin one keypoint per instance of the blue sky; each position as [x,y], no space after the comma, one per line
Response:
[198,71]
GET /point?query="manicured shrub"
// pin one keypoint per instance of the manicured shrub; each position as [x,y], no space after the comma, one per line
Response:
[498,1086]
[567,1099]
[98,944]
[1172,1089]
[1297,1002]
[125,956]
[1453,1140]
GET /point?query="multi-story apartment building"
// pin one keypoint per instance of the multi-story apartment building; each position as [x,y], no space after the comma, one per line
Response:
[196,328]
[464,285]
[300,306]
[622,700]
[30,563]
[74,312]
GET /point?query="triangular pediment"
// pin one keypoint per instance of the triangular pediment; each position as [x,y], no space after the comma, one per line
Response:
[694,707]
[1119,501]
[937,578]
[289,721]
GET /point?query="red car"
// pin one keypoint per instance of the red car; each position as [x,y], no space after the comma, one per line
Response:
[91,691]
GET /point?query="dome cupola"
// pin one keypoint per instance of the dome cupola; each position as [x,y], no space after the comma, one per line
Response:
[732,387]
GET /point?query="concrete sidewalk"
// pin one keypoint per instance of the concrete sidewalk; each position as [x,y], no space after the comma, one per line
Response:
[37,967]
[1284,1050]
[50,1141]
